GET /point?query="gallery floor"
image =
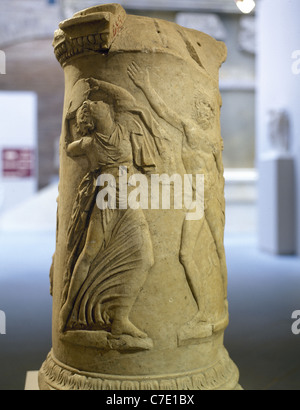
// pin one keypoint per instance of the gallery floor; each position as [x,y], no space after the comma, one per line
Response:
[263,292]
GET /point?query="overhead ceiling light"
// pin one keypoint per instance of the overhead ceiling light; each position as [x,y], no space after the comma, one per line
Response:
[246,6]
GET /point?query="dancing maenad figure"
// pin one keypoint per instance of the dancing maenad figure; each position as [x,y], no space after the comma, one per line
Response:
[110,246]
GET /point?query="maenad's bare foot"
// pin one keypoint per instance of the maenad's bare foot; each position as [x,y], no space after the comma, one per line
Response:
[125,327]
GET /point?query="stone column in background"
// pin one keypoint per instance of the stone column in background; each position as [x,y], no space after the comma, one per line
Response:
[139,276]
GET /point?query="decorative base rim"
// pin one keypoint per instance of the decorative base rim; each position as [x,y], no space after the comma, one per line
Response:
[222,375]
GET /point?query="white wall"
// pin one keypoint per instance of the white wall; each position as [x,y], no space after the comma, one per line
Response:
[18,148]
[23,20]
[277,85]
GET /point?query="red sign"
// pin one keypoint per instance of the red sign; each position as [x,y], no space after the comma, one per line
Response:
[18,163]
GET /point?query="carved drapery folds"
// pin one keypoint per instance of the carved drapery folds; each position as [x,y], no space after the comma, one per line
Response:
[139,276]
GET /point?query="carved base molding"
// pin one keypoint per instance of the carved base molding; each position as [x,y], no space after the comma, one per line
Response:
[223,375]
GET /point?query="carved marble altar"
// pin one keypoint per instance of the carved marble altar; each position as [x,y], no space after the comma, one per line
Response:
[139,287]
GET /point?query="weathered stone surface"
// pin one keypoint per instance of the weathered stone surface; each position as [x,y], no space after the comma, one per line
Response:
[139,284]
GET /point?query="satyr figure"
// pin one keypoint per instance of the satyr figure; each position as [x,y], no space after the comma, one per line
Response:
[199,155]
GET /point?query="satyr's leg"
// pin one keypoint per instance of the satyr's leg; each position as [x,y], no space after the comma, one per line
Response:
[216,222]
[190,234]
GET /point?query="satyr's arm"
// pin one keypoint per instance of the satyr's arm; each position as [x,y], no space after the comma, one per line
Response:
[141,79]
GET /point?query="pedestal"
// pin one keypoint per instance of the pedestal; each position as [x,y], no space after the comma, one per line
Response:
[31,381]
[139,277]
[277,229]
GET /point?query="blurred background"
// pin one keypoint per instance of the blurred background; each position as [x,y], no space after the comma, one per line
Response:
[260,85]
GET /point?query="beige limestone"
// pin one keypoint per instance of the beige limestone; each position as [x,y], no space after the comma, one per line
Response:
[139,288]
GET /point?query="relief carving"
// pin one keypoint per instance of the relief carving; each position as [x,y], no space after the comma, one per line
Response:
[139,276]
[111,249]
[200,155]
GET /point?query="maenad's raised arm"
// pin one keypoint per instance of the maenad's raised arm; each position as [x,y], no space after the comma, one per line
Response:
[113,94]
[75,149]
[141,79]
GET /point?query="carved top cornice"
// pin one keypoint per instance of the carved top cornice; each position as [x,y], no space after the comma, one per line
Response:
[91,30]
[108,29]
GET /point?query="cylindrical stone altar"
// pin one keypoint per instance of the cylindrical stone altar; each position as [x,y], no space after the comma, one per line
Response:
[139,274]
